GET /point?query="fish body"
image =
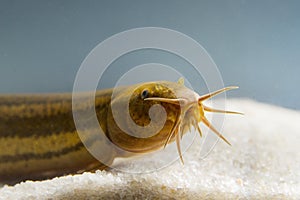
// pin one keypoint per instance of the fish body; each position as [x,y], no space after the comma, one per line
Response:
[39,139]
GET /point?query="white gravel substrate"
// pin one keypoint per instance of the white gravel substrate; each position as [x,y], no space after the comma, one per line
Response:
[262,163]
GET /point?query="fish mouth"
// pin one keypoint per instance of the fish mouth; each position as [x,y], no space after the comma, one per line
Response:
[178,129]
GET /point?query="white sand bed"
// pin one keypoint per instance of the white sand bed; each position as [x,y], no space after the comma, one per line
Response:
[262,163]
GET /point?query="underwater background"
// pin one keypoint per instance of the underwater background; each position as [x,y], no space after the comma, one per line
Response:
[255,44]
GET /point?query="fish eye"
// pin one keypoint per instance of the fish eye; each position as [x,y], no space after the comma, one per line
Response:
[144,94]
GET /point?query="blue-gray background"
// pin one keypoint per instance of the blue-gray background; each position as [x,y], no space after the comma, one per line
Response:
[254,43]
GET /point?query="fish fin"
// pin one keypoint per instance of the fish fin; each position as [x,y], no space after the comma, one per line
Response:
[180,81]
